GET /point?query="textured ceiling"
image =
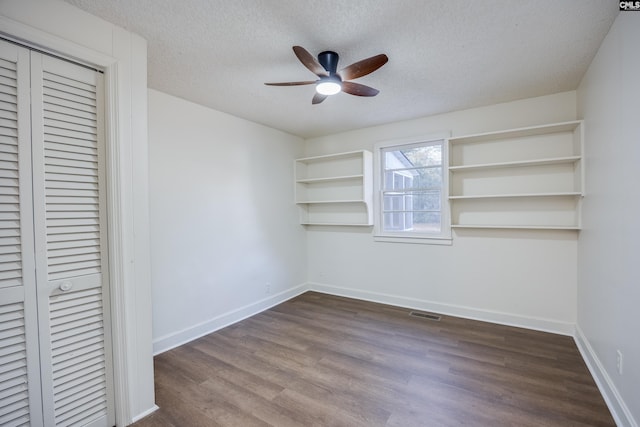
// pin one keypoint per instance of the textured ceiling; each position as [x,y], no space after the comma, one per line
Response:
[444,55]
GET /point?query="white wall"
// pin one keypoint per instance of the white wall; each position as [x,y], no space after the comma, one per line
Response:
[223,220]
[609,245]
[524,278]
[62,29]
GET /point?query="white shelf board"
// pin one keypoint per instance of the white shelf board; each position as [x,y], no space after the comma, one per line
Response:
[524,163]
[329,157]
[317,202]
[517,195]
[329,179]
[518,227]
[517,133]
[341,224]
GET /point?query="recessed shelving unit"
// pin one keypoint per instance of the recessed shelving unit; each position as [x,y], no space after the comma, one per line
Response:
[528,178]
[335,189]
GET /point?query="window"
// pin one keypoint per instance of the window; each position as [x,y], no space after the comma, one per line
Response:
[412,192]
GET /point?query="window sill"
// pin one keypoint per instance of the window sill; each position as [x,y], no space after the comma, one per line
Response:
[416,240]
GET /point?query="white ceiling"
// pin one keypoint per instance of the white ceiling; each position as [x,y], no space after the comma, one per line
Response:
[444,55]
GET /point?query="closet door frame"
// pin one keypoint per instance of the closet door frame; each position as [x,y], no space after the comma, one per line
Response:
[125,83]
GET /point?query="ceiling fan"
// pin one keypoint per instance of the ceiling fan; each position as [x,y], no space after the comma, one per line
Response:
[331,82]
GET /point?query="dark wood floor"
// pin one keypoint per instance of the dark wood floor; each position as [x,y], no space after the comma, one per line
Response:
[320,360]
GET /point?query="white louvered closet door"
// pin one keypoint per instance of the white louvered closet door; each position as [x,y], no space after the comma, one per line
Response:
[20,403]
[55,337]
[70,241]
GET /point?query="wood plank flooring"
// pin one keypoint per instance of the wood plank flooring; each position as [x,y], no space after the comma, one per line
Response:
[321,360]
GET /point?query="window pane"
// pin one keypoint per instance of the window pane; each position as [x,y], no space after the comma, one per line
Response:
[398,180]
[416,222]
[388,180]
[428,178]
[429,155]
[426,222]
[412,201]
[413,178]
[393,202]
[395,222]
[426,201]
[408,220]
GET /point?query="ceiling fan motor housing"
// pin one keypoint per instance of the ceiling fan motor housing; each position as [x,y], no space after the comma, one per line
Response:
[329,60]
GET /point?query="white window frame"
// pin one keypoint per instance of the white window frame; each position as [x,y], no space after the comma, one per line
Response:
[379,234]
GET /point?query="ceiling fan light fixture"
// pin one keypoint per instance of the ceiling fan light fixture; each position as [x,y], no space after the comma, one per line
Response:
[331,81]
[328,87]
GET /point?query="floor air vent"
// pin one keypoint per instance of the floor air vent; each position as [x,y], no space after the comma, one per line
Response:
[428,316]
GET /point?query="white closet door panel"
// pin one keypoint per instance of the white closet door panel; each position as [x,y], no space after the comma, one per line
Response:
[70,236]
[20,401]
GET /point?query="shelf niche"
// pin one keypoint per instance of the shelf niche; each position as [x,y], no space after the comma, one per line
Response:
[522,178]
[335,189]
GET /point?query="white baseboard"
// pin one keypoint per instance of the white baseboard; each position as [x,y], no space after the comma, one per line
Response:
[556,327]
[619,410]
[145,413]
[167,342]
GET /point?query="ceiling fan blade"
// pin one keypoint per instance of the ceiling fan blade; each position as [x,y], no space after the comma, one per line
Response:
[318,98]
[310,82]
[364,67]
[358,89]
[309,61]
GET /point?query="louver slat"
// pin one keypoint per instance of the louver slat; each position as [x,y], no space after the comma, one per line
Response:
[79,118]
[72,149]
[8,148]
[7,98]
[63,122]
[70,154]
[73,236]
[53,77]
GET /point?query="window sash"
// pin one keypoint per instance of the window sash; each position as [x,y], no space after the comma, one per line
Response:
[399,212]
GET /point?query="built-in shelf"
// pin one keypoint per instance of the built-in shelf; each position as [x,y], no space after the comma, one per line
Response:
[331,178]
[517,133]
[319,202]
[335,224]
[508,196]
[518,164]
[519,227]
[335,189]
[528,178]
